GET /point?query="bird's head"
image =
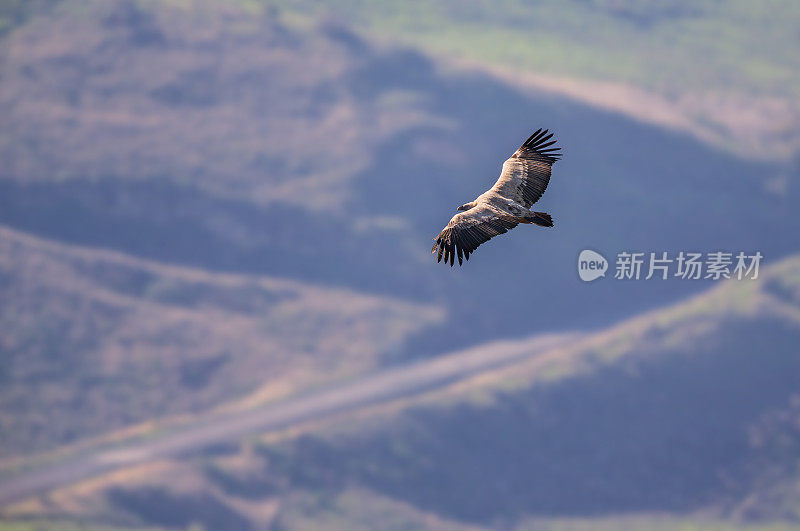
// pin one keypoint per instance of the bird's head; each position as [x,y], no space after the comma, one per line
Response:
[466,206]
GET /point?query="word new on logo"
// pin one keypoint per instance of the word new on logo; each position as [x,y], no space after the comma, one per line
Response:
[591,265]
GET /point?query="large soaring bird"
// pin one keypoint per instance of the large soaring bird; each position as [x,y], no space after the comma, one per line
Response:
[506,204]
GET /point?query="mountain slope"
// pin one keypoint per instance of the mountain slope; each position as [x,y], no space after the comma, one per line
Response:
[94,341]
[724,70]
[686,416]
[685,410]
[215,204]
[256,144]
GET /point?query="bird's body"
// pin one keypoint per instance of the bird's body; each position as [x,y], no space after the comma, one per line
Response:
[522,182]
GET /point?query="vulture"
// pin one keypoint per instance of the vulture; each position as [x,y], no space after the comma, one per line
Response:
[506,204]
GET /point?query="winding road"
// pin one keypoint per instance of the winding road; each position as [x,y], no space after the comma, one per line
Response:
[367,390]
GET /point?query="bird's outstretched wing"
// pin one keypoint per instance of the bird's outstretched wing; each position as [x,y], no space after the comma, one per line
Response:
[467,230]
[526,173]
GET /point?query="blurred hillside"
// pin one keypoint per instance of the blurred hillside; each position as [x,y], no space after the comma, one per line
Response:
[679,417]
[96,341]
[727,71]
[207,206]
[229,139]
[694,408]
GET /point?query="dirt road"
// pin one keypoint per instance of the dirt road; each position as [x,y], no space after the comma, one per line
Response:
[380,387]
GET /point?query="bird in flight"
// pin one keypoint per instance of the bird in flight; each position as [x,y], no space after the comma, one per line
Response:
[506,204]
